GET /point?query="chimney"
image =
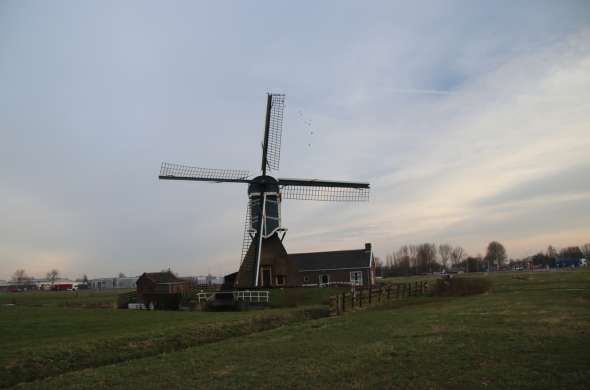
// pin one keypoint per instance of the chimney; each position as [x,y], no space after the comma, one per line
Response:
[368,246]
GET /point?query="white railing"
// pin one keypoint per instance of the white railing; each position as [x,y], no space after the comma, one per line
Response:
[334,284]
[203,296]
[252,296]
[246,296]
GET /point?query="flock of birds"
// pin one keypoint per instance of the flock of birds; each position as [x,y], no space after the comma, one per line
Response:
[307,123]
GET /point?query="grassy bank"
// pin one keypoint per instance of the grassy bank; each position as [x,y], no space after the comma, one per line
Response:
[58,342]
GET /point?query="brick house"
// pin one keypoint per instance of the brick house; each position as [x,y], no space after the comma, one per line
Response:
[324,268]
[280,269]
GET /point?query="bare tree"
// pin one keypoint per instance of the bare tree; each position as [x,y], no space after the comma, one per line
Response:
[399,261]
[444,251]
[20,277]
[52,276]
[413,256]
[457,255]
[121,275]
[378,266]
[425,256]
[496,254]
[551,251]
[572,252]
[585,250]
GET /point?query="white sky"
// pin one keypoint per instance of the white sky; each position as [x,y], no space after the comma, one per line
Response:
[470,119]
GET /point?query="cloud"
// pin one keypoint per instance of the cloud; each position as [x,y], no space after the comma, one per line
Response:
[456,114]
[493,156]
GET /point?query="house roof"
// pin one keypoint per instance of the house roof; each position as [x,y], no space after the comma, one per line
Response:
[316,261]
[162,277]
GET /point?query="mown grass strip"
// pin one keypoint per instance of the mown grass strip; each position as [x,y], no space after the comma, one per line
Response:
[50,362]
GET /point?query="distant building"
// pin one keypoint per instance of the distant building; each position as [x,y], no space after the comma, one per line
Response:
[204,280]
[109,283]
[561,262]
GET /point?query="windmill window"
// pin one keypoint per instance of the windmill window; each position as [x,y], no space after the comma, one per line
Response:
[356,278]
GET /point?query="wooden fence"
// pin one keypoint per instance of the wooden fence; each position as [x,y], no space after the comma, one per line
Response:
[365,297]
[124,299]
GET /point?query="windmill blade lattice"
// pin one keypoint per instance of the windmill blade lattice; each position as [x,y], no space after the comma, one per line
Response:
[275,132]
[170,171]
[248,234]
[323,190]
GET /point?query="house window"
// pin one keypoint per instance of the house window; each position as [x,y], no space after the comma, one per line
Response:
[280,280]
[356,278]
[324,279]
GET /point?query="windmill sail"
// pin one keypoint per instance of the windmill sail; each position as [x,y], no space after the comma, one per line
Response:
[170,171]
[324,190]
[273,131]
[248,257]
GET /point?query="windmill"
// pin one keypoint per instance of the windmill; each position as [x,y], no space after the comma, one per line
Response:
[265,193]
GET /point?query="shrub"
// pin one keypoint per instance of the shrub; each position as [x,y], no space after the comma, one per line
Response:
[455,287]
[294,297]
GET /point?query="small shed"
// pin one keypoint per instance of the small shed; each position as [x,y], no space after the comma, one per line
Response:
[163,290]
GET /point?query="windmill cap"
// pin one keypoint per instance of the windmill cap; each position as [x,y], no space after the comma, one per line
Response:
[266,183]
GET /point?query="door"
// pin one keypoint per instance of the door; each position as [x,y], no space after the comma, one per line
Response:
[266,277]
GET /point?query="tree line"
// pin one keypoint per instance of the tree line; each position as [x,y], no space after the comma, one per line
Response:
[429,257]
[22,278]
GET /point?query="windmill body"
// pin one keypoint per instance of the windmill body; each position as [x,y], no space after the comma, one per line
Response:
[264,261]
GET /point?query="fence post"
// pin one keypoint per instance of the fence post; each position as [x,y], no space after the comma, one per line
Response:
[388,291]
[410,289]
[361,297]
[379,296]
[370,293]
[333,309]
[397,291]
[343,302]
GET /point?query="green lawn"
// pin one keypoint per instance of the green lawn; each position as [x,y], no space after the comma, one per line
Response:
[532,331]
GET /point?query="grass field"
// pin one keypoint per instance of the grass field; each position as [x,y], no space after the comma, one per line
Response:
[47,333]
[532,331]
